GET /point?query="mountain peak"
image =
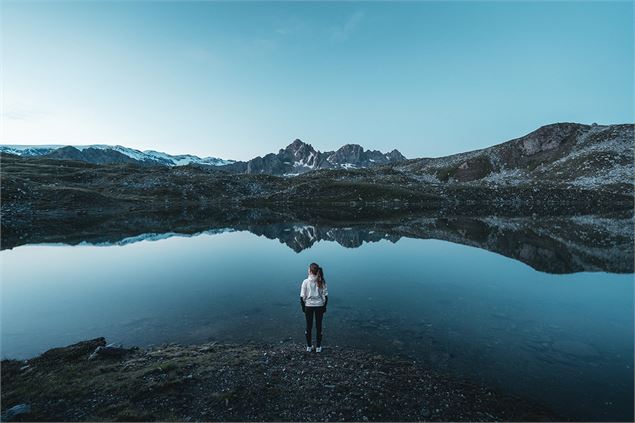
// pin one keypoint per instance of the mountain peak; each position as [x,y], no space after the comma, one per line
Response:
[297,144]
[351,147]
[395,155]
[301,153]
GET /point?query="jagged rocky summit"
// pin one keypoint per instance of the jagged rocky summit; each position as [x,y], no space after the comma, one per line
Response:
[300,157]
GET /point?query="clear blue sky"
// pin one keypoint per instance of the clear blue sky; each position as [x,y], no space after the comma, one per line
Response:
[236,80]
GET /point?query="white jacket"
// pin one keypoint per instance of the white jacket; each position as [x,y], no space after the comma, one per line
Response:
[311,294]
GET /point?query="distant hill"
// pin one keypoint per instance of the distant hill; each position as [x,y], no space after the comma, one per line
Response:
[111,154]
[571,153]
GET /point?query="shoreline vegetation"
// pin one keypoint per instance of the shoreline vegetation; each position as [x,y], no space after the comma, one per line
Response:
[89,381]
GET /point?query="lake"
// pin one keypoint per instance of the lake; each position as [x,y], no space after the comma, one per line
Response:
[561,335]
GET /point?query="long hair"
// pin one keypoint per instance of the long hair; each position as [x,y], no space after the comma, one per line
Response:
[317,270]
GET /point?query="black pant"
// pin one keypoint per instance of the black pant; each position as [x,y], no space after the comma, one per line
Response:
[308,313]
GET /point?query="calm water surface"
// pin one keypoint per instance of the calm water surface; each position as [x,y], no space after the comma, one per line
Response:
[562,340]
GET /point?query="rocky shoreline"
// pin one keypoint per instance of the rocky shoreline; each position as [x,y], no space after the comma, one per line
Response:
[247,382]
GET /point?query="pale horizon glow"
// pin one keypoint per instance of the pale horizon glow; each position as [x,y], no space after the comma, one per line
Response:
[239,80]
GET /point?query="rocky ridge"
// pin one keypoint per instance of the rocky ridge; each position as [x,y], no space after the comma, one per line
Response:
[300,157]
[110,154]
[569,153]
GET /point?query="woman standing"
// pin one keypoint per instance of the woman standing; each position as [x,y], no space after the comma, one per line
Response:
[313,298]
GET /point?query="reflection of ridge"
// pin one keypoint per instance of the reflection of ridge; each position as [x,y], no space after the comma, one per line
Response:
[156,237]
[302,237]
[555,244]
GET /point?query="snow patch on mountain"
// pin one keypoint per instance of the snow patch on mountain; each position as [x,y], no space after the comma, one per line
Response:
[348,166]
[506,177]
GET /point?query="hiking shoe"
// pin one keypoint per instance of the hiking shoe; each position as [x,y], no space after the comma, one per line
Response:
[318,349]
[309,349]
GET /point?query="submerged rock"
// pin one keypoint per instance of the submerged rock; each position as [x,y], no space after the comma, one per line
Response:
[75,351]
[15,411]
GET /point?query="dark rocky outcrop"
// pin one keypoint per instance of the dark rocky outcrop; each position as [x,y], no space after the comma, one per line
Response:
[80,350]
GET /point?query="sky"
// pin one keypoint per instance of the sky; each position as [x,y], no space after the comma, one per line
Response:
[240,79]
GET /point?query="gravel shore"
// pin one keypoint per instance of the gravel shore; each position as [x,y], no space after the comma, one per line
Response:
[247,382]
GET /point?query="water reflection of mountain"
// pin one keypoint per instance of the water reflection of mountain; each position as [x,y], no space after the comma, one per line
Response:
[302,236]
[554,244]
